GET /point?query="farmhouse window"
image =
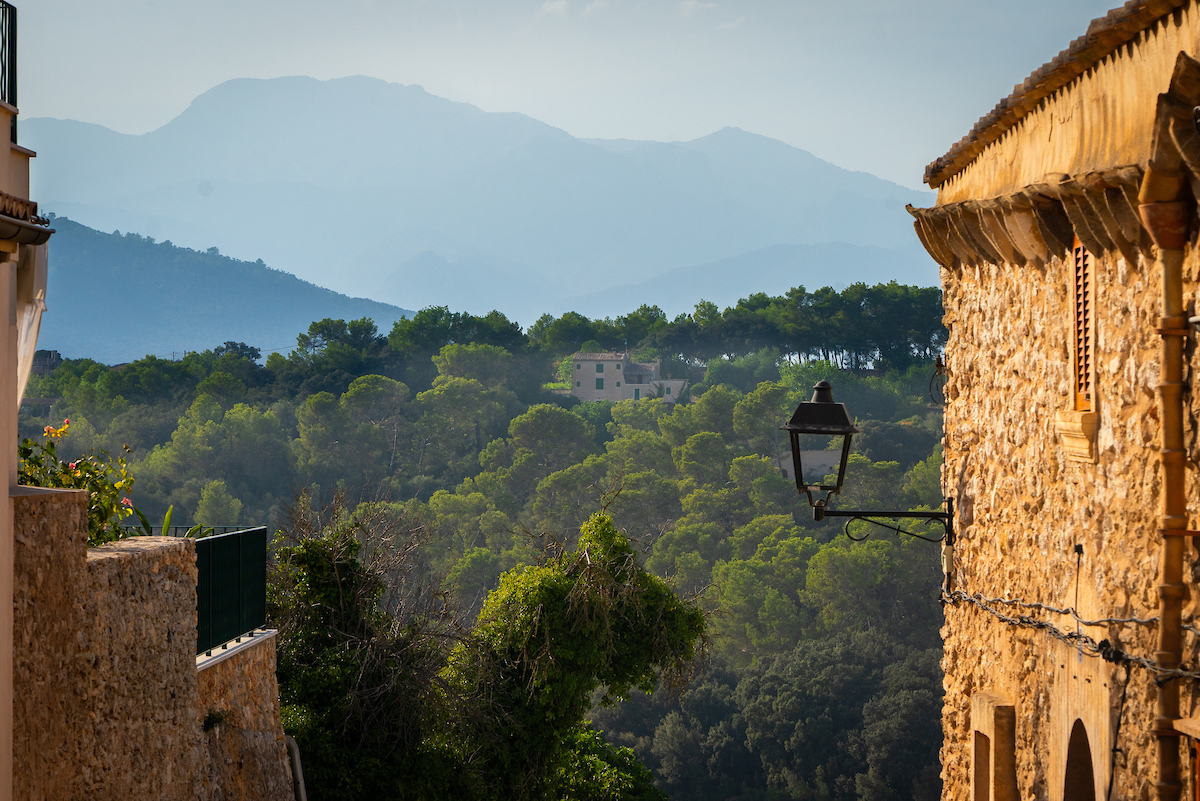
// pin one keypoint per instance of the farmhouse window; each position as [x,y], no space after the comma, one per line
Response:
[637,394]
[1084,335]
[599,383]
[599,368]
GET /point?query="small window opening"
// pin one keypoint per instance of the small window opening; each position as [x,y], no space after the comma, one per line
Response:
[1084,336]
[599,383]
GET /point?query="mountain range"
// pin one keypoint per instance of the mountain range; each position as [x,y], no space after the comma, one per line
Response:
[385,191]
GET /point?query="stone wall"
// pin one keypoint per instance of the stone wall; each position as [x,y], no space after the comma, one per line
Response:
[1023,506]
[50,573]
[109,703]
[243,741]
[136,653]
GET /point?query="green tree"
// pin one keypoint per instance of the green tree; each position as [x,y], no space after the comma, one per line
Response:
[550,636]
[704,459]
[596,771]
[454,420]
[488,364]
[759,416]
[357,655]
[555,437]
[217,507]
[378,405]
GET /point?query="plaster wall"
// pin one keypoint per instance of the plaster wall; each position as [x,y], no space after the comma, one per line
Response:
[1023,506]
[1103,119]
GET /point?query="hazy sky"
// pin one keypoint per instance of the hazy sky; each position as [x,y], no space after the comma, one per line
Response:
[879,85]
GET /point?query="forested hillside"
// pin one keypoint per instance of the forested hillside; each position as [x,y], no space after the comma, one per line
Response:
[172,298]
[823,680]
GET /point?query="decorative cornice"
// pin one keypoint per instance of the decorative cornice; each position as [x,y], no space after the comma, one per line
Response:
[1040,222]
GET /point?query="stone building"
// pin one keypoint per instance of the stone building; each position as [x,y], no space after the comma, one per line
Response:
[1065,227]
[616,376]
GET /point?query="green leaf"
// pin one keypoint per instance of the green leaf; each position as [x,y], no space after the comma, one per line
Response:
[145,523]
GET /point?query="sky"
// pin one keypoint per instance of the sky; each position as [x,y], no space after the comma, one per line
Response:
[883,86]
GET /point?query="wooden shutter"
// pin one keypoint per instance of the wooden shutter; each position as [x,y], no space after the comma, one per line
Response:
[1084,336]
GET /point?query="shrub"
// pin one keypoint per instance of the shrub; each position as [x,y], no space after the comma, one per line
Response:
[106,480]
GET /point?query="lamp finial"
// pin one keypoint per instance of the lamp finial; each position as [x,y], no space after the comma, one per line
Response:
[822,392]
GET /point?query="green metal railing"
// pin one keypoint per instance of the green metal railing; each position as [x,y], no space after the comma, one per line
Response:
[179,531]
[8,60]
[231,593]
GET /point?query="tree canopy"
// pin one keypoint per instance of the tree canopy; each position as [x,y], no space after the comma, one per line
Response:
[517,567]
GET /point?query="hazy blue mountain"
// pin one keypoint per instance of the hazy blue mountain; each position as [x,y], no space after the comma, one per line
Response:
[115,298]
[355,183]
[773,270]
[477,284]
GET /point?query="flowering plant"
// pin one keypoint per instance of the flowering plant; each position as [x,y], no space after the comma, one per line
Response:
[106,480]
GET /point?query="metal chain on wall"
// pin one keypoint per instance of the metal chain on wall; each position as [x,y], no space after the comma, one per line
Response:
[1081,642]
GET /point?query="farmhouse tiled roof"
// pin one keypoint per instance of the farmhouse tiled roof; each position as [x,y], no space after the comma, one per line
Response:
[599,357]
[1104,36]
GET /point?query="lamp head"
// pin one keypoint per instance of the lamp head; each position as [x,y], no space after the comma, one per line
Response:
[820,431]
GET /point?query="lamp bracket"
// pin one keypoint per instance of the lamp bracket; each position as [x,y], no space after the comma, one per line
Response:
[946,518]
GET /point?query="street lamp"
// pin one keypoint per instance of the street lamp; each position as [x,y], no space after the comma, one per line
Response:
[820,431]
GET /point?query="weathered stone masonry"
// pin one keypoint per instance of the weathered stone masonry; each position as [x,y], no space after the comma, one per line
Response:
[243,745]
[1099,146]
[109,702]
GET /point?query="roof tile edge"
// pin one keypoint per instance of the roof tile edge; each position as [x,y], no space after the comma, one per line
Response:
[1104,36]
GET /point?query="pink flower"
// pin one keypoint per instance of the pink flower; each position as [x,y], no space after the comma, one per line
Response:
[67,422]
[71,466]
[126,502]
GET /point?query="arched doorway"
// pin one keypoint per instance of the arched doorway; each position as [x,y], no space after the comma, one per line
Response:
[1080,784]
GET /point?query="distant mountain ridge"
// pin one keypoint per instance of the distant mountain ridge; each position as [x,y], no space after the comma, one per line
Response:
[775,270]
[116,298]
[346,182]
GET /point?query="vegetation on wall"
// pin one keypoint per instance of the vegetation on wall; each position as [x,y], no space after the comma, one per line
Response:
[107,480]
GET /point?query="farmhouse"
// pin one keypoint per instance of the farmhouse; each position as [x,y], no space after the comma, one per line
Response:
[1065,227]
[615,376]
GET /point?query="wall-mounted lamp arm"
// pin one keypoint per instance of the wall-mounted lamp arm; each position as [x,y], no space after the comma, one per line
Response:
[946,518]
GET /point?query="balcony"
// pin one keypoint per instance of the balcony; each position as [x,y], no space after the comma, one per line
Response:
[19,220]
